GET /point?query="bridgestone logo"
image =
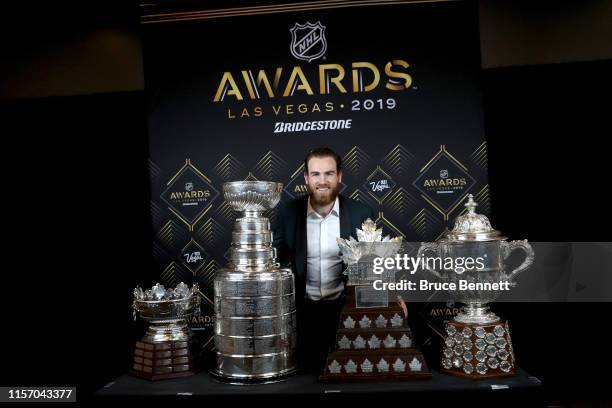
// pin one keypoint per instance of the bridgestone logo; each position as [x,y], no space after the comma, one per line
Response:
[285,127]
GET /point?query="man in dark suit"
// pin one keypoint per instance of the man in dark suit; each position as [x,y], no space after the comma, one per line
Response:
[305,238]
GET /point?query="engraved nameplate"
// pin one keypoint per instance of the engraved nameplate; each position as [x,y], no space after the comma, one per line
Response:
[367,297]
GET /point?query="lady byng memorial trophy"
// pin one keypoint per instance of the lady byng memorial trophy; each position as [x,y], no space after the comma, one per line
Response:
[477,343]
[255,327]
[373,341]
[165,351]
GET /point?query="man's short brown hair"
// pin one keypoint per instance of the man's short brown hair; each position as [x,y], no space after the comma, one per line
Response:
[323,152]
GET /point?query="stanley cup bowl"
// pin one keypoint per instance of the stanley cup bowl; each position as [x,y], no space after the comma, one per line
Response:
[252,195]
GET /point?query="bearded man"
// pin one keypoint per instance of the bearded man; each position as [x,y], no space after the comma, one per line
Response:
[305,238]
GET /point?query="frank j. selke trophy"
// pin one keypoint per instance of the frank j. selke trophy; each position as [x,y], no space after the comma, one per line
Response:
[477,342]
[166,350]
[255,328]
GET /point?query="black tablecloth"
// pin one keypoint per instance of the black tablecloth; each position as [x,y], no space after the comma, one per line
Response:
[506,391]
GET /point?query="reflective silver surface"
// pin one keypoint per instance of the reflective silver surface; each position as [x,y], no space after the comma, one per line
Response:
[491,357]
[473,237]
[254,306]
[251,238]
[252,195]
[258,326]
[264,367]
[255,327]
[166,311]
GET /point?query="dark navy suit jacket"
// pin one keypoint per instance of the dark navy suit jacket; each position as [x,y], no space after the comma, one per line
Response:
[290,234]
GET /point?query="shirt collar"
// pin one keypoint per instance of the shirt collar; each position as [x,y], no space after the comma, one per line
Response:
[335,210]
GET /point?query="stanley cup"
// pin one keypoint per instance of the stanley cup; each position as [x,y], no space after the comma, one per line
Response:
[255,328]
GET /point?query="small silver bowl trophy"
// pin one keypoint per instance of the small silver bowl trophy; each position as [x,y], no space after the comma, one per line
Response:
[165,350]
[477,342]
[255,316]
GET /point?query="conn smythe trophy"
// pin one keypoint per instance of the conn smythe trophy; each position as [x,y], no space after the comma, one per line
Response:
[373,341]
[255,328]
[165,351]
[477,343]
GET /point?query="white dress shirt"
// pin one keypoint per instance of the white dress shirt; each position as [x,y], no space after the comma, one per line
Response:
[323,262]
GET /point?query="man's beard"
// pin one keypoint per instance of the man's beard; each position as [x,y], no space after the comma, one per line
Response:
[323,198]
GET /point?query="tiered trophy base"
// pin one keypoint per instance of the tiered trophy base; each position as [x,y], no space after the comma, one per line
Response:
[378,366]
[374,345]
[162,360]
[478,351]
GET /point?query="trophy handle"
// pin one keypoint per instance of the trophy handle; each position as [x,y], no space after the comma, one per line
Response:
[196,307]
[509,247]
[134,310]
[432,247]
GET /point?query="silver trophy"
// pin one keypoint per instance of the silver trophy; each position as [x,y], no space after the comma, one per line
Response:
[166,311]
[477,344]
[165,351]
[255,327]
[473,237]
[358,254]
[373,340]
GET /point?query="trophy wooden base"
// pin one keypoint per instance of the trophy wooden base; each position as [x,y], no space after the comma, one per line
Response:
[163,360]
[374,345]
[478,351]
[375,366]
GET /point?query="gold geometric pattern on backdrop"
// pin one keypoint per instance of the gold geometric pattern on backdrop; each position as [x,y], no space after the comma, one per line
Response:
[399,202]
[169,274]
[159,254]
[157,217]
[376,173]
[188,166]
[424,223]
[250,177]
[172,236]
[362,197]
[355,160]
[229,168]
[225,212]
[271,167]
[444,152]
[388,227]
[479,156]
[154,170]
[206,274]
[211,232]
[398,160]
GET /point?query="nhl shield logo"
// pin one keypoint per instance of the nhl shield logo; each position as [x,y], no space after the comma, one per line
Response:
[308,41]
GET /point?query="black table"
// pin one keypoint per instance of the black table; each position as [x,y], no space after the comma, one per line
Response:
[521,388]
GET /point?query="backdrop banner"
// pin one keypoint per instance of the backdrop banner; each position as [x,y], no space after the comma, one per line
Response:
[244,93]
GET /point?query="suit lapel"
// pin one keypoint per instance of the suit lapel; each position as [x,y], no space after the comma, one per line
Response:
[301,239]
[345,219]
